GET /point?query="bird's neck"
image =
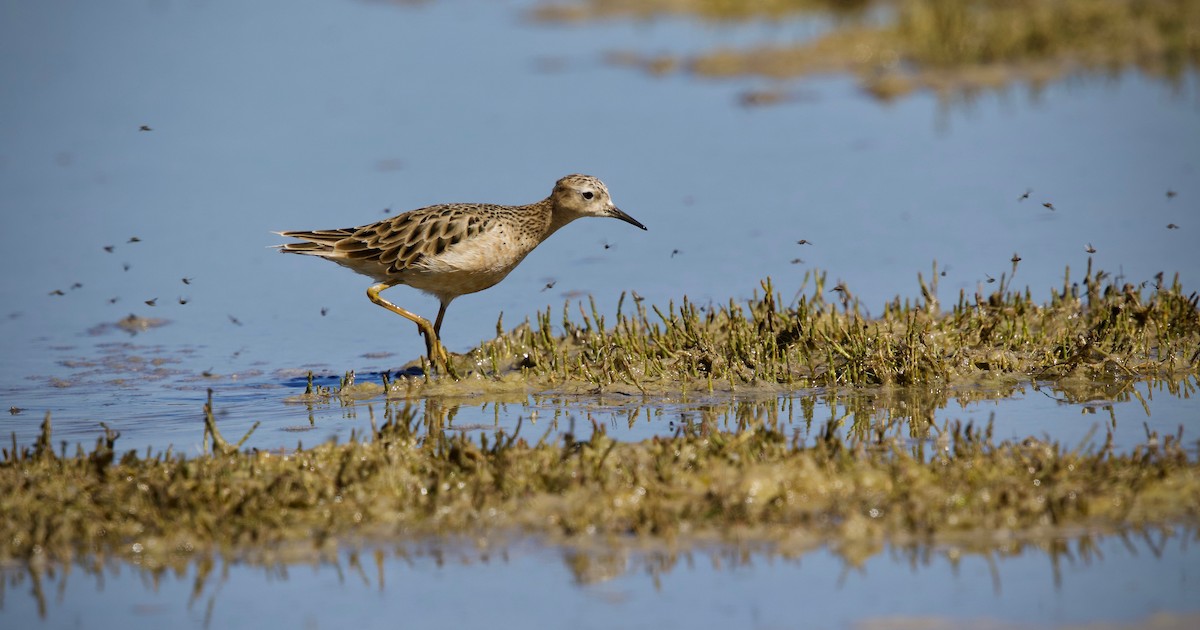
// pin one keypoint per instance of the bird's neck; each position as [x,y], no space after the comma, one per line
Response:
[557,217]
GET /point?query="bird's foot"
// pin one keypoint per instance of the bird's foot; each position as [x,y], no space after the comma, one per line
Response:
[439,358]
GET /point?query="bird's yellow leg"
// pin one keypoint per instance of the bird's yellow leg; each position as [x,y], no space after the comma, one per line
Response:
[433,346]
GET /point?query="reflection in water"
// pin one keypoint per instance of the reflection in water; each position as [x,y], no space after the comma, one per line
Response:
[910,413]
[140,391]
[47,588]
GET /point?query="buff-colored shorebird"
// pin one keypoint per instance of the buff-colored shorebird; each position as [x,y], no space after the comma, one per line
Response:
[450,250]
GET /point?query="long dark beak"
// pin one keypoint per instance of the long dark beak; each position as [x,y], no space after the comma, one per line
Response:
[617,213]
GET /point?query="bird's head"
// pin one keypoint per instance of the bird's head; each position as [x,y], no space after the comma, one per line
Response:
[578,196]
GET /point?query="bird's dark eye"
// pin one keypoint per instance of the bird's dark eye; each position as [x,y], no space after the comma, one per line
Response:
[587,194]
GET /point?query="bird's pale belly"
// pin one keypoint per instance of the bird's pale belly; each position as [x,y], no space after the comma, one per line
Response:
[455,282]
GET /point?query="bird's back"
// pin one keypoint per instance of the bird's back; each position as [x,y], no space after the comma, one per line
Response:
[447,249]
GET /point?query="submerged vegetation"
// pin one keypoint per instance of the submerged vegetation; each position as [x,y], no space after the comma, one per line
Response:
[953,47]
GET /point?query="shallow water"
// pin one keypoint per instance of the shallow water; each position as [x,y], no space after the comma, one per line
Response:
[264,118]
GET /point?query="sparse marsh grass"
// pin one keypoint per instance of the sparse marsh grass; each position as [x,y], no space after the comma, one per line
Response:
[1095,329]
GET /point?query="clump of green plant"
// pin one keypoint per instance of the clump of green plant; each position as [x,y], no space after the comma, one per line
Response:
[1095,329]
[407,481]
